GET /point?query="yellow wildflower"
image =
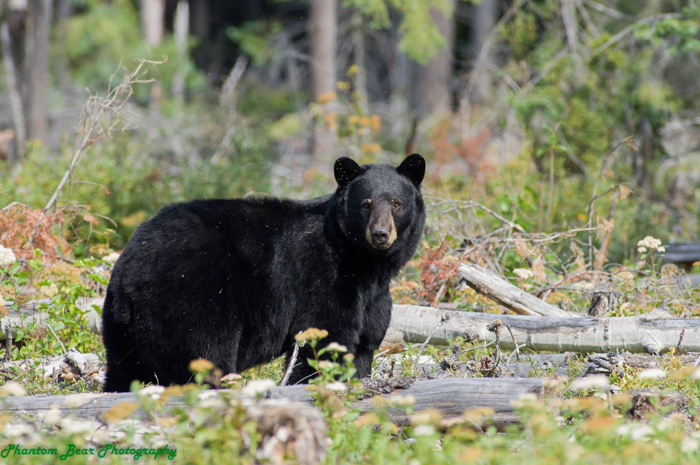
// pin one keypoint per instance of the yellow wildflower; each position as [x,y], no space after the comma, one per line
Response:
[311,334]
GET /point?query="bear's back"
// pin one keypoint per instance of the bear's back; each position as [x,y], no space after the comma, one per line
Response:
[200,246]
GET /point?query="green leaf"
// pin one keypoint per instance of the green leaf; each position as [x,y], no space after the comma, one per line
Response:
[99,278]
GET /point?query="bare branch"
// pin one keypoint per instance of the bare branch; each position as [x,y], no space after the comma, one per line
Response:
[93,112]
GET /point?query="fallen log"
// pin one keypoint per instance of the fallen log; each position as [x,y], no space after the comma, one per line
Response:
[503,292]
[546,333]
[530,366]
[451,396]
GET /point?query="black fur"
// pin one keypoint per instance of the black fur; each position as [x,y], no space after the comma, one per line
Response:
[234,280]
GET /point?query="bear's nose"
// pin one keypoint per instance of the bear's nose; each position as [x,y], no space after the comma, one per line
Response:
[380,235]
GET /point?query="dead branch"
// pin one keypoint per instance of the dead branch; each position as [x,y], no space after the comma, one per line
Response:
[506,294]
[94,111]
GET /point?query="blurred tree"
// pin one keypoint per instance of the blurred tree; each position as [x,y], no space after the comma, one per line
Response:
[433,89]
[181,29]
[324,32]
[199,18]
[152,18]
[485,13]
[18,120]
[37,71]
[152,26]
[64,10]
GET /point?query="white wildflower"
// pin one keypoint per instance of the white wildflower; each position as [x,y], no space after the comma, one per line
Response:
[7,257]
[523,273]
[696,373]
[689,445]
[335,347]
[651,373]
[650,243]
[72,426]
[636,431]
[51,417]
[337,387]
[524,400]
[111,258]
[661,249]
[48,291]
[403,401]
[2,302]
[205,395]
[18,430]
[13,388]
[152,391]
[257,387]
[641,249]
[590,382]
[424,430]
[231,378]
[326,365]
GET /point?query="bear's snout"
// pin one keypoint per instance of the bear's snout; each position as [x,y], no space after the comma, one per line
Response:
[381,230]
[380,236]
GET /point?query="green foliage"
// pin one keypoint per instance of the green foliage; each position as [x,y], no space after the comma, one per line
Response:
[677,34]
[109,33]
[254,39]
[521,35]
[119,179]
[420,39]
[67,321]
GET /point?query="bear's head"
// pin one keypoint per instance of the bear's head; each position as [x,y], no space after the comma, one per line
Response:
[380,206]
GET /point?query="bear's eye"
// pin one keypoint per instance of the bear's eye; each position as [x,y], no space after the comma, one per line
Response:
[395,203]
[367,204]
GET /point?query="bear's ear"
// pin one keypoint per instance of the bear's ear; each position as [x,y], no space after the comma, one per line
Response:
[346,169]
[413,167]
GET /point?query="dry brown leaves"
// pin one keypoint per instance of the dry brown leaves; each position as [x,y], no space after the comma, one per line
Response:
[23,229]
[438,273]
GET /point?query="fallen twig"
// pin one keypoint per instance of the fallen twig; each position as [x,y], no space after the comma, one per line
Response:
[443,320]
[290,366]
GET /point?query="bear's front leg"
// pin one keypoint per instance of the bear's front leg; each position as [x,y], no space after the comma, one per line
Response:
[376,321]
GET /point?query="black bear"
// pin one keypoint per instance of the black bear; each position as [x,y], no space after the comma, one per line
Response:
[233,281]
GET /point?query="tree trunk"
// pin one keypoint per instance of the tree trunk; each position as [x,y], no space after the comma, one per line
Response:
[434,90]
[200,19]
[18,120]
[181,31]
[152,27]
[548,333]
[399,83]
[64,10]
[485,13]
[152,17]
[324,31]
[358,45]
[37,57]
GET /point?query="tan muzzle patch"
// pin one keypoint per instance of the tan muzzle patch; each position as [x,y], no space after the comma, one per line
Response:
[388,223]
